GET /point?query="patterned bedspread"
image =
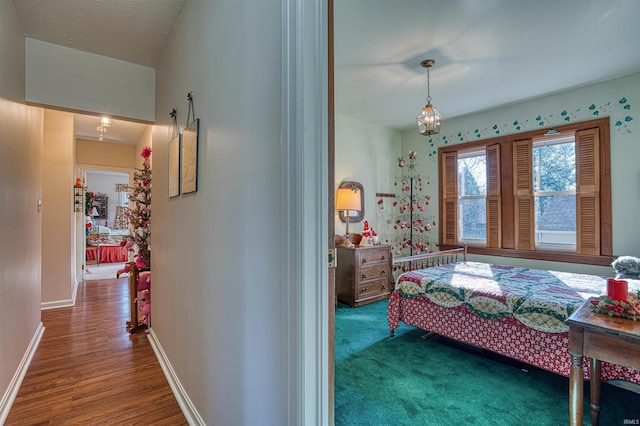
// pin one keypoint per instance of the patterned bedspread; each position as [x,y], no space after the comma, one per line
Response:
[541,300]
[516,312]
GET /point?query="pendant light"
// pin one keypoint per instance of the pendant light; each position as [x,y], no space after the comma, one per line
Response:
[429,119]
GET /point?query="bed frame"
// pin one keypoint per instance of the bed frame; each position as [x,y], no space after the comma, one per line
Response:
[548,351]
[429,260]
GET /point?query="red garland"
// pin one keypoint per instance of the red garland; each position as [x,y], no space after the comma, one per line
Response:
[614,308]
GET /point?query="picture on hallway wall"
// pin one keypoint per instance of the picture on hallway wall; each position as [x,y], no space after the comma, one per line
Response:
[174,166]
[189,157]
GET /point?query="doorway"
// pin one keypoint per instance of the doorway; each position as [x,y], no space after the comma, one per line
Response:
[102,224]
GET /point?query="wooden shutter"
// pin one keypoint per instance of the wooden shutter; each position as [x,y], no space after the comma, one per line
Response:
[523,195]
[494,199]
[449,204]
[588,191]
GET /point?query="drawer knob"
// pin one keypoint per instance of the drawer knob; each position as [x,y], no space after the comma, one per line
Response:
[383,257]
[364,289]
[364,276]
[383,272]
[364,261]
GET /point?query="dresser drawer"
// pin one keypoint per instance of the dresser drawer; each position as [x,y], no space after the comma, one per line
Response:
[372,288]
[372,272]
[373,256]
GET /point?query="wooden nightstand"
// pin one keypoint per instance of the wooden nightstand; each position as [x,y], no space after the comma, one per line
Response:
[601,338]
[363,274]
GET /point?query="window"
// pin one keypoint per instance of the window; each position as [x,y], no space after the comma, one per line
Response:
[123,199]
[541,195]
[472,197]
[554,192]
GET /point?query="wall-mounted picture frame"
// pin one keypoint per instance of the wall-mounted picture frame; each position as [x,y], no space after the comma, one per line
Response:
[174,166]
[189,157]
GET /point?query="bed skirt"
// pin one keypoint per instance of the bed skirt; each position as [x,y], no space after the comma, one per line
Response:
[505,336]
[108,254]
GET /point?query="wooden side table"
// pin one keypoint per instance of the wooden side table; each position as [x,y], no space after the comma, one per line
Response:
[601,338]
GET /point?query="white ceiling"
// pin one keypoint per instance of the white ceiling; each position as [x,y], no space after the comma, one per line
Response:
[122,132]
[488,53]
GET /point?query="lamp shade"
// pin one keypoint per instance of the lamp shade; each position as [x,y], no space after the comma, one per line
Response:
[94,212]
[348,199]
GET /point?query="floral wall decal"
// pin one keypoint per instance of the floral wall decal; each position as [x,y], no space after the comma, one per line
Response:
[619,112]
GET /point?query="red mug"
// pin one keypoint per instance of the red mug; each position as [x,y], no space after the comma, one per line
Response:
[617,289]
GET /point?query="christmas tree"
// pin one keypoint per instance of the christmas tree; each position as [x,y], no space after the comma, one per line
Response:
[409,218]
[139,215]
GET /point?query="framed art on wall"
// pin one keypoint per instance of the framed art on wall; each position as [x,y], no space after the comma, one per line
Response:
[189,158]
[174,166]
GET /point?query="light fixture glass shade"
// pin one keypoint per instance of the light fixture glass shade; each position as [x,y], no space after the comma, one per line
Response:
[348,199]
[94,212]
[429,121]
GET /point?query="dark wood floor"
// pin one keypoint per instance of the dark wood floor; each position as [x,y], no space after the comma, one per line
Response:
[88,370]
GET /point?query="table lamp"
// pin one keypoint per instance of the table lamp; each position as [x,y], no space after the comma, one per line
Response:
[348,199]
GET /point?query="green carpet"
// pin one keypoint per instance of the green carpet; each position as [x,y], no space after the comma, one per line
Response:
[406,380]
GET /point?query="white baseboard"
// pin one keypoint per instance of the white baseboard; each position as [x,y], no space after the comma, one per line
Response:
[10,395]
[67,303]
[188,409]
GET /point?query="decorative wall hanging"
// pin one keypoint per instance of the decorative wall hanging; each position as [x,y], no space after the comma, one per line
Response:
[174,156]
[78,192]
[189,152]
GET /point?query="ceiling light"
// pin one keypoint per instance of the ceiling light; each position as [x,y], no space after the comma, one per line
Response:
[429,119]
[105,123]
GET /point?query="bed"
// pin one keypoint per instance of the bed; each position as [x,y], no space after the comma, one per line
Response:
[104,245]
[516,312]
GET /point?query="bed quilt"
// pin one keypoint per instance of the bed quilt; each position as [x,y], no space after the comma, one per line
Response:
[516,312]
[539,299]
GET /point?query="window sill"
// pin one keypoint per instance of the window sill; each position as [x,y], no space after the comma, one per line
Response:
[552,256]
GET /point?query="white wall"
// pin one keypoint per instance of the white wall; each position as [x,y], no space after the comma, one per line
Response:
[21,226]
[218,286]
[366,153]
[71,79]
[58,218]
[617,99]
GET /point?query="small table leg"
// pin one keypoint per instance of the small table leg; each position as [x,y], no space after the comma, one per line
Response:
[596,375]
[576,390]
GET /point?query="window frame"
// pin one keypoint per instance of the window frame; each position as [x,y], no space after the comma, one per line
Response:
[504,232]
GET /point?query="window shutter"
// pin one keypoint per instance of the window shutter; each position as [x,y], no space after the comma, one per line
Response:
[494,199]
[588,191]
[523,195]
[449,206]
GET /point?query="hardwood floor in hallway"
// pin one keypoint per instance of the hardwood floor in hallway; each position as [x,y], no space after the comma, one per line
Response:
[88,370]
